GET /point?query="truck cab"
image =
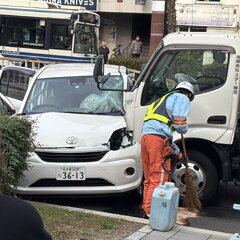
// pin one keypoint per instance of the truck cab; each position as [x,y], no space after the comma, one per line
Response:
[211,63]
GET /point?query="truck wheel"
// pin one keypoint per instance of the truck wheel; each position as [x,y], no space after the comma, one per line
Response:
[203,172]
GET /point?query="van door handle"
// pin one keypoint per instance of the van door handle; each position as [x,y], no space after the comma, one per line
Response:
[217,120]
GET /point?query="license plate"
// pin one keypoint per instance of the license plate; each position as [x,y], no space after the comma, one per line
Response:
[71,173]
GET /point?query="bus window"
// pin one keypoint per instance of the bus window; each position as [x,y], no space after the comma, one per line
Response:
[14,84]
[22,32]
[59,37]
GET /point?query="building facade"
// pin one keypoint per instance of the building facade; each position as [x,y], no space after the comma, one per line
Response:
[122,20]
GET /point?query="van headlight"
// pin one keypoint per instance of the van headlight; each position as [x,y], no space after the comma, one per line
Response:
[120,138]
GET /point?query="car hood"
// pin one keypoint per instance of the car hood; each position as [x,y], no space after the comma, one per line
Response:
[61,130]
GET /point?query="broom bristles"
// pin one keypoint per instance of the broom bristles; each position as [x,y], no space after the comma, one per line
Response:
[191,199]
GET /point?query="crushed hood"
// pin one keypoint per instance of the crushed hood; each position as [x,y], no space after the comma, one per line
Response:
[61,130]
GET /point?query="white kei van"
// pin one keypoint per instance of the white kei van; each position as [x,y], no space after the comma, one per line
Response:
[82,144]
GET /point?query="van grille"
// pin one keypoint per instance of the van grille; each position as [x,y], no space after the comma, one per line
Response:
[90,182]
[71,157]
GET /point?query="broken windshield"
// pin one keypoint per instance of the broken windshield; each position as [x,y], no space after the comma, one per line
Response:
[75,95]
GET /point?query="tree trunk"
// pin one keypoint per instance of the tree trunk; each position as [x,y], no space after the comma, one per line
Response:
[170,16]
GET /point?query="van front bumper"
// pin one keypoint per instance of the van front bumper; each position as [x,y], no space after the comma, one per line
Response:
[116,172]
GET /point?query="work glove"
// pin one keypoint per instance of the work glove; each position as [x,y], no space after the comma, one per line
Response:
[171,155]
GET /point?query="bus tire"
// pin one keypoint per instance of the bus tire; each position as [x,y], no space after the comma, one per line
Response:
[204,173]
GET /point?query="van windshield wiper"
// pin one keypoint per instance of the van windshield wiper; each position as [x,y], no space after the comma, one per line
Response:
[97,113]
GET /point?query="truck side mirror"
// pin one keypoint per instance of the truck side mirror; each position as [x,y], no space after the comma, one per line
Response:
[98,70]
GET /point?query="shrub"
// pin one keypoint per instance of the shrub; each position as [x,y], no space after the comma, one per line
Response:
[16,142]
[128,62]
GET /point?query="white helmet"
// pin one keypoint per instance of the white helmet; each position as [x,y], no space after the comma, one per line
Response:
[188,86]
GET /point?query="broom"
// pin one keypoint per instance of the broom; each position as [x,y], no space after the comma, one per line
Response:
[191,200]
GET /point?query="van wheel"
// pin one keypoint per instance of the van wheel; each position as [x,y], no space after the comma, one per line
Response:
[137,193]
[203,172]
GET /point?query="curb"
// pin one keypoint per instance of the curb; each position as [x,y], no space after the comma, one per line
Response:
[105,214]
[142,232]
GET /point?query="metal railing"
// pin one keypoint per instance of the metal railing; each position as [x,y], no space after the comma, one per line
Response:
[30,63]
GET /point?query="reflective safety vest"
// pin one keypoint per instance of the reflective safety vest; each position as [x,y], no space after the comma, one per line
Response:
[157,111]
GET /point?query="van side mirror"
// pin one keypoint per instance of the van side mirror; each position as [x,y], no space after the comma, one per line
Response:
[6,105]
[3,108]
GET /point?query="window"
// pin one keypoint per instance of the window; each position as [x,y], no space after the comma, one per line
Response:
[60,38]
[85,39]
[192,29]
[14,84]
[75,95]
[22,32]
[206,70]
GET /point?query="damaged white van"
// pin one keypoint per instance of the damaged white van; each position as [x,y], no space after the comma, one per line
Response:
[82,144]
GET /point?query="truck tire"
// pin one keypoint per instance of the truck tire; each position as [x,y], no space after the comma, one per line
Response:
[204,173]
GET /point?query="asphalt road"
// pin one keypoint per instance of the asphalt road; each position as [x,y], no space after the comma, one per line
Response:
[219,216]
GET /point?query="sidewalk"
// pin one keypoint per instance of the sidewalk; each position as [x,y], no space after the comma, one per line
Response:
[146,233]
[178,233]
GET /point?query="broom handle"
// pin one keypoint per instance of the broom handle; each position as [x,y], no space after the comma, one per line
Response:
[184,148]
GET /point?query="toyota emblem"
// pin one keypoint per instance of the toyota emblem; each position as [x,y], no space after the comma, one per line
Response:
[71,140]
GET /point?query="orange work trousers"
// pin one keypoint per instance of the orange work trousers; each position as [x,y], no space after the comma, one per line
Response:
[153,150]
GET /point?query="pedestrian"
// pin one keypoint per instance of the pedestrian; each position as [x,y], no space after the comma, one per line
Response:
[20,221]
[164,116]
[136,47]
[104,51]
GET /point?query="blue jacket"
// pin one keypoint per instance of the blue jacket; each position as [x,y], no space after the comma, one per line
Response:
[178,108]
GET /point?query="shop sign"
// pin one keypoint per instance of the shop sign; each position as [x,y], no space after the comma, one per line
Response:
[88,4]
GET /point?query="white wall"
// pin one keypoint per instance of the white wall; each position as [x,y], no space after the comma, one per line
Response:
[127,6]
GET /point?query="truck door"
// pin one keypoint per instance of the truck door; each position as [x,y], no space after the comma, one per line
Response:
[207,70]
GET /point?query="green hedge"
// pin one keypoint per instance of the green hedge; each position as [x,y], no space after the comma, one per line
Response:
[132,63]
[16,142]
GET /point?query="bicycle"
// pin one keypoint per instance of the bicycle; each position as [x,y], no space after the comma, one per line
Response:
[117,52]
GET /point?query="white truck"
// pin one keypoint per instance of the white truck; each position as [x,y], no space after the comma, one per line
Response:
[211,62]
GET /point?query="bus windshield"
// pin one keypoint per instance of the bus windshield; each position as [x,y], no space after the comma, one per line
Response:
[85,39]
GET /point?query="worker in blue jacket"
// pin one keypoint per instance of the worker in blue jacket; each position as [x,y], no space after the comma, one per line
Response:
[164,116]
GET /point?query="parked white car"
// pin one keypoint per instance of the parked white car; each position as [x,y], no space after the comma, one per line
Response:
[82,145]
